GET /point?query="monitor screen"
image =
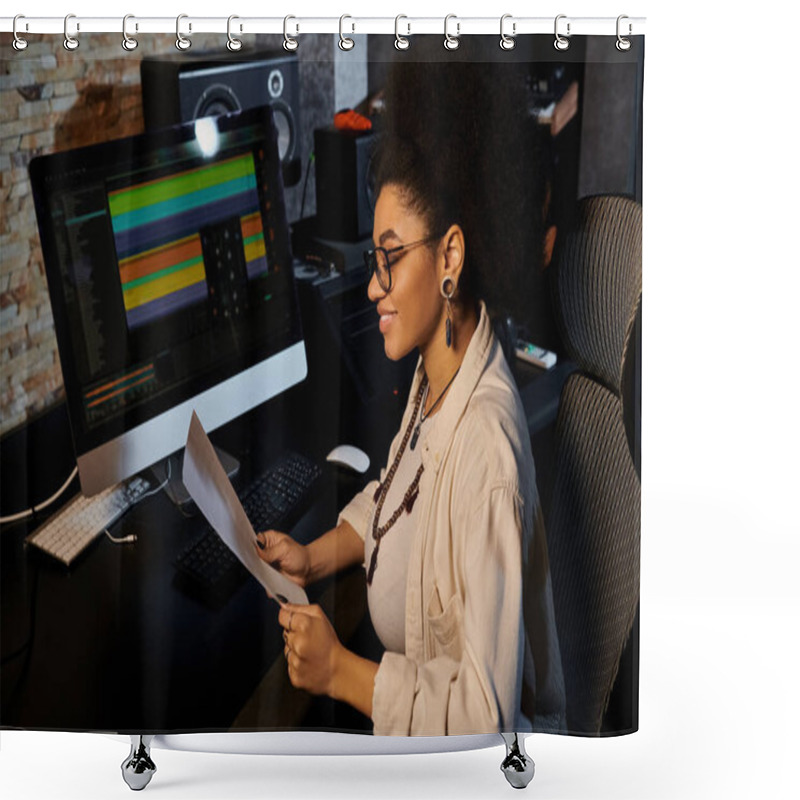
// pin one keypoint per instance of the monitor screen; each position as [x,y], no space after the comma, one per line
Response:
[170,275]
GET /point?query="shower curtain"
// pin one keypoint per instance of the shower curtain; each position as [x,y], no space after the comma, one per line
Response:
[454,235]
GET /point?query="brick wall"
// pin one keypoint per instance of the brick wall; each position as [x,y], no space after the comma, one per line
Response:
[49,100]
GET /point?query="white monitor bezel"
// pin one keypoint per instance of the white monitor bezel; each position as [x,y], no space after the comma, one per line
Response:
[148,443]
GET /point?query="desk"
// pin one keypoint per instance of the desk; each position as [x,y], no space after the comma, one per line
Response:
[114,645]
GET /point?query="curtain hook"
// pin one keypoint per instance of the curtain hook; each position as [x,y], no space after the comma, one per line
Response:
[289,43]
[181,42]
[70,42]
[623,44]
[561,42]
[345,43]
[19,43]
[400,42]
[128,43]
[233,44]
[507,42]
[451,42]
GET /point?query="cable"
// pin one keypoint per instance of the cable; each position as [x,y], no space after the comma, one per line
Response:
[32,604]
[132,537]
[31,511]
[158,488]
[124,540]
[305,183]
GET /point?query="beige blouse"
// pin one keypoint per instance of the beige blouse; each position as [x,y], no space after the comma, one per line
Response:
[478,594]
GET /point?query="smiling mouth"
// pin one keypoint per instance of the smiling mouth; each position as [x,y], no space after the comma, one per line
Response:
[386,321]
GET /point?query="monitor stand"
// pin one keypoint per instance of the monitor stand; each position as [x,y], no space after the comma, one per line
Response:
[172,466]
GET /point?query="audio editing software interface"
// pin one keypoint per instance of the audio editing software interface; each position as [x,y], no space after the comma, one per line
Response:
[170,278]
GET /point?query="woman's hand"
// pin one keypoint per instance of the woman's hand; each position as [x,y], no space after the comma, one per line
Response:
[285,554]
[312,648]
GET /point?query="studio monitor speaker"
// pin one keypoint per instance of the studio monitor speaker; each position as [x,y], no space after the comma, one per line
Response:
[176,89]
[344,183]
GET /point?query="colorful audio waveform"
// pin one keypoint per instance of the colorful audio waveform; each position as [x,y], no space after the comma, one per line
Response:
[157,226]
[119,386]
[255,249]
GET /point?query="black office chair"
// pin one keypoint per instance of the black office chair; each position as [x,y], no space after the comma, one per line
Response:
[593,531]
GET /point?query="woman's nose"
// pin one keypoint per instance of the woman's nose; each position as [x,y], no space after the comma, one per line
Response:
[374,290]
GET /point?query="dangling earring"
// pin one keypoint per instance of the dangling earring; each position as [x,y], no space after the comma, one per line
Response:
[448,293]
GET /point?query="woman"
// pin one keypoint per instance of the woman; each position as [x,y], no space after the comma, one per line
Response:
[451,536]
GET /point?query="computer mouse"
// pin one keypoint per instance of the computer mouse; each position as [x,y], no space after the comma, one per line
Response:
[346,455]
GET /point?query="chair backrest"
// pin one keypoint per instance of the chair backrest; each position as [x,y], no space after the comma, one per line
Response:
[594,527]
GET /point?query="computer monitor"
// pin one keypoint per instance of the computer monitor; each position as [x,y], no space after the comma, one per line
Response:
[169,267]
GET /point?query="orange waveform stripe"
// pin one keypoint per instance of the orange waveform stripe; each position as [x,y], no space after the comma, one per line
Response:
[251,225]
[173,281]
[112,384]
[155,260]
[121,390]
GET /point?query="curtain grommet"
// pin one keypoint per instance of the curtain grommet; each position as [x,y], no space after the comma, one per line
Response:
[451,42]
[19,43]
[70,42]
[345,43]
[233,44]
[623,44]
[128,42]
[507,42]
[561,43]
[401,42]
[290,44]
[181,42]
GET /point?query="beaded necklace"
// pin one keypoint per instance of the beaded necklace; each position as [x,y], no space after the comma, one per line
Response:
[413,490]
[383,489]
[423,415]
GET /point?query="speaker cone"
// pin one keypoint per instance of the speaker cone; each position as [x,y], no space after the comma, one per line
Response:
[284,122]
[215,100]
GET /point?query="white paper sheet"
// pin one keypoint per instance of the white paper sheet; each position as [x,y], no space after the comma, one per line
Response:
[207,483]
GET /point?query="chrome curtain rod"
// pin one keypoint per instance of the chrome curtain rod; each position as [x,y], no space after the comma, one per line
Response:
[452,25]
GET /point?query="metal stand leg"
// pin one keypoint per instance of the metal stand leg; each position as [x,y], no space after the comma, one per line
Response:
[138,768]
[518,766]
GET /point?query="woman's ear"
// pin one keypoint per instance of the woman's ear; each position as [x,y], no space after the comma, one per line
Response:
[454,253]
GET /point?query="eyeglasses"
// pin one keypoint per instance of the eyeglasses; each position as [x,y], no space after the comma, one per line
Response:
[378,261]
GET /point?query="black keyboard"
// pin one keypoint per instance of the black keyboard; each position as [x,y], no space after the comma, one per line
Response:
[271,501]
